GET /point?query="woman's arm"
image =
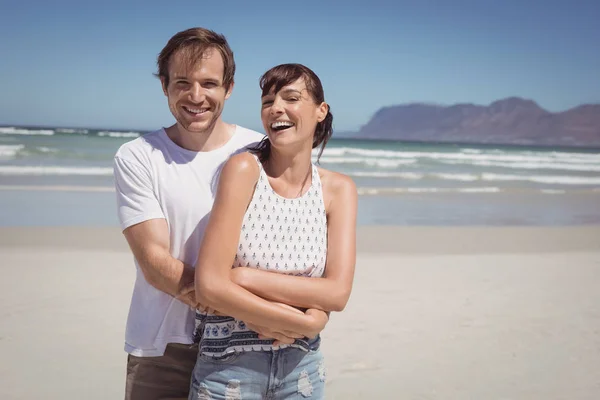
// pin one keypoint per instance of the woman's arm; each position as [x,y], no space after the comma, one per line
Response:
[214,287]
[332,291]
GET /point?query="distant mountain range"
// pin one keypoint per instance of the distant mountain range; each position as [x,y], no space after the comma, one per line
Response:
[512,121]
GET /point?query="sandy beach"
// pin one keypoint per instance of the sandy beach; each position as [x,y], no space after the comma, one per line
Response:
[436,313]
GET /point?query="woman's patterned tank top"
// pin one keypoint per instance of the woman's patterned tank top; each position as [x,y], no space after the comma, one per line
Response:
[281,235]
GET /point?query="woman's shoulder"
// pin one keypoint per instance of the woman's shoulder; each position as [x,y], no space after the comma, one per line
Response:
[242,161]
[335,183]
[241,167]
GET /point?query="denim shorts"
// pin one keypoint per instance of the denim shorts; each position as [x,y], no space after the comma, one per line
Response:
[288,373]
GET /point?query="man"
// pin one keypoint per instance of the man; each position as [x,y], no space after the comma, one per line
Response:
[165,185]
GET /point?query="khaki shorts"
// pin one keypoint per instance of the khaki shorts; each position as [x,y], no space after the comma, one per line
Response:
[164,377]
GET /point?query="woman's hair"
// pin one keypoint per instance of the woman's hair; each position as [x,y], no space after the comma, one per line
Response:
[278,77]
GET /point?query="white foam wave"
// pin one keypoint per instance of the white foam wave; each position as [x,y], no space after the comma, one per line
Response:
[415,176]
[54,170]
[553,191]
[547,179]
[374,174]
[533,165]
[479,190]
[471,151]
[373,191]
[8,151]
[58,188]
[43,149]
[119,134]
[467,157]
[400,190]
[374,162]
[79,131]
[593,157]
[11,130]
[561,180]
[457,177]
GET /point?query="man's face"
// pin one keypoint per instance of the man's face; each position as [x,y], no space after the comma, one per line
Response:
[195,93]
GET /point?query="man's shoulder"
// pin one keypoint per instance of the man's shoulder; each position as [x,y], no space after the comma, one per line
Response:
[139,147]
[247,137]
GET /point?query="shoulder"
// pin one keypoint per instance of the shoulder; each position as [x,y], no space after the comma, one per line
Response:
[238,179]
[339,193]
[241,168]
[336,184]
[138,150]
[248,137]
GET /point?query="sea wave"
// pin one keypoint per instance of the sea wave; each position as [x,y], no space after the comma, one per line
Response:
[11,130]
[400,190]
[532,165]
[10,150]
[79,131]
[470,156]
[546,179]
[363,191]
[468,190]
[54,170]
[44,149]
[471,151]
[58,188]
[561,180]
[456,177]
[373,162]
[409,176]
[115,134]
[553,191]
[380,174]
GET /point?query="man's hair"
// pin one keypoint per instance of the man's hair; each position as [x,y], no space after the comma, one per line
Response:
[193,44]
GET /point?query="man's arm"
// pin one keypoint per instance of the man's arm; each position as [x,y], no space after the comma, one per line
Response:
[145,228]
[149,243]
[332,291]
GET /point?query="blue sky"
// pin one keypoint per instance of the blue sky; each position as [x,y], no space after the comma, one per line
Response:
[90,64]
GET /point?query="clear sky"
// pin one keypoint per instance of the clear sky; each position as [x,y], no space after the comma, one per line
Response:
[90,64]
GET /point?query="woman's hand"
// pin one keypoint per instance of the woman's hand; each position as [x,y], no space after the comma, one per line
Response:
[284,337]
[279,337]
[318,320]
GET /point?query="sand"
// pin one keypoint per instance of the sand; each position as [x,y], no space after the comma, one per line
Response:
[436,313]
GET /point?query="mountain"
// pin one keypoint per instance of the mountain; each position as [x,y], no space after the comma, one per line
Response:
[509,121]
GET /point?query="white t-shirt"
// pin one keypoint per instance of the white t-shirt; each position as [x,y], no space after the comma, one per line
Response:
[155,178]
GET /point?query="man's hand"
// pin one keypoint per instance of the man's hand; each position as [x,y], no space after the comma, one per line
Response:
[187,295]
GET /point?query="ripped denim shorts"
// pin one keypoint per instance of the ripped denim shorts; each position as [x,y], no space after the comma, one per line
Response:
[288,373]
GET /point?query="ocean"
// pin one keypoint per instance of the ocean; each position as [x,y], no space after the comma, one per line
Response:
[56,176]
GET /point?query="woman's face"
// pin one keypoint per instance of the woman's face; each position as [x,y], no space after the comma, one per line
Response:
[290,116]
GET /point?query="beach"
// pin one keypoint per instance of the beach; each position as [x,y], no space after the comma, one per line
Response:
[455,312]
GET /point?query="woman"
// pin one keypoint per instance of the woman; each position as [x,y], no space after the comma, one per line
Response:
[293,226]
